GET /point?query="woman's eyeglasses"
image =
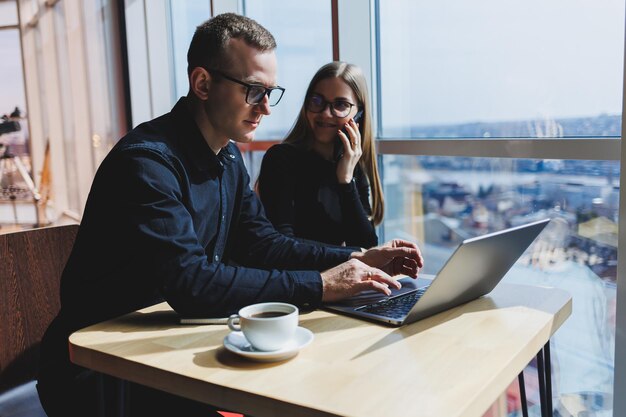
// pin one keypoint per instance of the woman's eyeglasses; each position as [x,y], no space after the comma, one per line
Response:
[255,93]
[339,108]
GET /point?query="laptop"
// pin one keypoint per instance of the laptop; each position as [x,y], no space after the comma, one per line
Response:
[473,270]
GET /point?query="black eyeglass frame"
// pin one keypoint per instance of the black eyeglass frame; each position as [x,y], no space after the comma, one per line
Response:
[250,86]
[327,103]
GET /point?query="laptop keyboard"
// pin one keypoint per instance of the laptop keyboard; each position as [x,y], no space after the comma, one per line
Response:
[397,307]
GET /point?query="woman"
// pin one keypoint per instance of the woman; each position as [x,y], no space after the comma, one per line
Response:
[316,184]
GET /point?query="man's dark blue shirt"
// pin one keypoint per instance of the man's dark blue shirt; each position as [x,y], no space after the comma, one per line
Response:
[168,219]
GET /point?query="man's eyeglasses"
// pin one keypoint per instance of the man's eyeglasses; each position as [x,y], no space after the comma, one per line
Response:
[255,93]
[339,108]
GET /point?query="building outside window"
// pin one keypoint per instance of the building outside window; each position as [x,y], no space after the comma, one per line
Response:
[16,208]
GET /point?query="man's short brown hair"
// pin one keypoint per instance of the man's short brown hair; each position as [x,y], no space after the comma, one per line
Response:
[209,42]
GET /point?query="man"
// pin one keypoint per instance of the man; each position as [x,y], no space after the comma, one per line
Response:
[171,216]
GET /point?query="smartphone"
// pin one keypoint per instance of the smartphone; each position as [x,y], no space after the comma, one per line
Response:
[338,149]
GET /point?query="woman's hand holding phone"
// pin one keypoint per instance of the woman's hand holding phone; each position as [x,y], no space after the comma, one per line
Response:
[351,151]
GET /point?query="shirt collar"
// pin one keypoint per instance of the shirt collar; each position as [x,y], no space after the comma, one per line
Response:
[193,143]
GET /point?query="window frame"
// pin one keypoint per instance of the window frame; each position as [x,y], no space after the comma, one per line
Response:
[601,149]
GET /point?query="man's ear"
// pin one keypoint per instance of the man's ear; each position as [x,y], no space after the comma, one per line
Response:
[199,82]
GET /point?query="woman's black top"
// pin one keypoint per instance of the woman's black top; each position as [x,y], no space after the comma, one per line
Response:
[303,199]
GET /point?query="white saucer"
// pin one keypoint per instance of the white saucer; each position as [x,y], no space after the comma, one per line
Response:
[237,343]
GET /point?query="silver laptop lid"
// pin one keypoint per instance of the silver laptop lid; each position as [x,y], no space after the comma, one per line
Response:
[475,268]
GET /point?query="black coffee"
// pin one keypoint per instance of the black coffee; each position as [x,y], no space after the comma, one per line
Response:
[268,314]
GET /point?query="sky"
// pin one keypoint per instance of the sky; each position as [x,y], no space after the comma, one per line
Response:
[11,79]
[442,62]
[454,61]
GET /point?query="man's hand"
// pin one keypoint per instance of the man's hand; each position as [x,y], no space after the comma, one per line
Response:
[352,277]
[394,257]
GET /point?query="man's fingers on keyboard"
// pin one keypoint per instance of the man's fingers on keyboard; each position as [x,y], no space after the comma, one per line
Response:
[385,279]
[412,272]
[378,286]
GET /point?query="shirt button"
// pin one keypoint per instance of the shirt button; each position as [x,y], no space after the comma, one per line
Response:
[232,156]
[217,258]
[223,217]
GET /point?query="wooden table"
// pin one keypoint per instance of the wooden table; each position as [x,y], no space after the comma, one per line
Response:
[456,363]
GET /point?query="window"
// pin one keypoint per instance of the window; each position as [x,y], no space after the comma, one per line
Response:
[501,69]
[303,33]
[14,134]
[440,201]
[511,70]
[185,17]
[11,79]
[8,13]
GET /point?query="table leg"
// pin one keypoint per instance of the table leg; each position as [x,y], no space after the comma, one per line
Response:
[544,372]
[522,393]
[548,375]
[123,398]
[542,383]
[113,396]
[101,396]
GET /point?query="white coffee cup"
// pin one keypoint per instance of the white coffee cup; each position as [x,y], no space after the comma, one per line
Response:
[267,326]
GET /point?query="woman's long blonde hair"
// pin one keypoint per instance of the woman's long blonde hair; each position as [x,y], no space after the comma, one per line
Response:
[301,134]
